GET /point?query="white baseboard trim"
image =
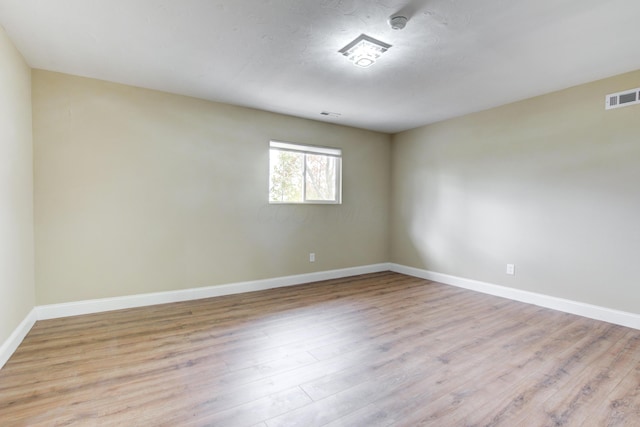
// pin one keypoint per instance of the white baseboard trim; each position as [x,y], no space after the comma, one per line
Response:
[11,344]
[53,311]
[631,320]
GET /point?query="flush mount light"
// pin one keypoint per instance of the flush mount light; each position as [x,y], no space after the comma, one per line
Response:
[364,50]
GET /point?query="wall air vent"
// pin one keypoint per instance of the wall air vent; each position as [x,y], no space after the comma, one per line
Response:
[622,99]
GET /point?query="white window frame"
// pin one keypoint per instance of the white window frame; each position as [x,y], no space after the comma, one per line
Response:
[309,149]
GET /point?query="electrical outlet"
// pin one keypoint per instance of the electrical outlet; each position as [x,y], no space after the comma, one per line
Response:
[312,257]
[511,269]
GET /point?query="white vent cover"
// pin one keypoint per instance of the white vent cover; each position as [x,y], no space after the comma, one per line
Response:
[622,99]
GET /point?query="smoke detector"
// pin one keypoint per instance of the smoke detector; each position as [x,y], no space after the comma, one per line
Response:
[398,22]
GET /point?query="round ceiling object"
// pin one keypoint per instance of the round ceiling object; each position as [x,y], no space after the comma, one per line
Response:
[398,22]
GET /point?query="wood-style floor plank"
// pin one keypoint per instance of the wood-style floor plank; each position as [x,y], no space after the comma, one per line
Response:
[380,349]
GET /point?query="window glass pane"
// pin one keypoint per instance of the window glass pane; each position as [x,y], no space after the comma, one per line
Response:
[321,177]
[304,173]
[286,176]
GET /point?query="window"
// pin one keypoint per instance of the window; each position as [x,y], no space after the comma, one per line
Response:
[304,174]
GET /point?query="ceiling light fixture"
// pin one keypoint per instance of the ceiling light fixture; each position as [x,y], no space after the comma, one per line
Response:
[364,50]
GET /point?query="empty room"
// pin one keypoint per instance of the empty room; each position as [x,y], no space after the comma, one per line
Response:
[319,213]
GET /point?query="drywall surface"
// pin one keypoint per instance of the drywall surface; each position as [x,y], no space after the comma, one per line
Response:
[141,191]
[550,184]
[17,291]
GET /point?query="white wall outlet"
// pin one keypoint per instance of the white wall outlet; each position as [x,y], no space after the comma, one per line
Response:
[511,269]
[312,257]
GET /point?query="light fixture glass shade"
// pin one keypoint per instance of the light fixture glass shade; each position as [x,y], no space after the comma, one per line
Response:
[364,50]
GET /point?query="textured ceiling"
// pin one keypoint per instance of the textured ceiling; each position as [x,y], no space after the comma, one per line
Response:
[453,57]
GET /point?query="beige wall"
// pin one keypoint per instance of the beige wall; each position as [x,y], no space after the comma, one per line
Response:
[16,189]
[550,184]
[140,191]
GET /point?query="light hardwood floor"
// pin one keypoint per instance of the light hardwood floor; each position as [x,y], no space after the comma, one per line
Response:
[372,350]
